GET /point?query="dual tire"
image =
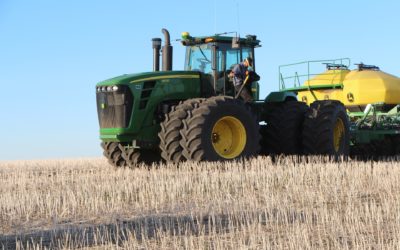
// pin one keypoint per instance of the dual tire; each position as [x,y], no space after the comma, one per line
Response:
[170,133]
[112,151]
[293,128]
[120,156]
[221,128]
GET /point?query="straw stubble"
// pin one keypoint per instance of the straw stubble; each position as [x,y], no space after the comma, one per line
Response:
[257,204]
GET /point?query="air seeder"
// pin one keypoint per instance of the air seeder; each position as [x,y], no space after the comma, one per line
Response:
[370,96]
[194,114]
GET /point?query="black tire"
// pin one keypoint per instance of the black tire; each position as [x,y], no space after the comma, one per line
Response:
[112,151]
[170,137]
[134,157]
[319,129]
[201,137]
[282,134]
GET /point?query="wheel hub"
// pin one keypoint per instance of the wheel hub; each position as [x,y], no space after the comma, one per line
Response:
[338,134]
[228,137]
[215,137]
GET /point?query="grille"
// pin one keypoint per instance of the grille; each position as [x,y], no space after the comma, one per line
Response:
[146,93]
[114,108]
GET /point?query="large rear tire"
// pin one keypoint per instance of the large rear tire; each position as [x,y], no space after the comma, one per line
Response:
[326,129]
[113,153]
[221,128]
[282,134]
[170,137]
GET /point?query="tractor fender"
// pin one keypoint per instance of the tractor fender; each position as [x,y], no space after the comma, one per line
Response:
[281,96]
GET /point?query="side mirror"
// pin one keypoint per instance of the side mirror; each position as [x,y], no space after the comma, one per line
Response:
[214,56]
[235,42]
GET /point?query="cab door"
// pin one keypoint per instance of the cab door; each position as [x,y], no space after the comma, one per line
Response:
[226,58]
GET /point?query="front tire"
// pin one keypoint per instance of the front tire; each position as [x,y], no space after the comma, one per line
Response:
[114,154]
[135,156]
[221,128]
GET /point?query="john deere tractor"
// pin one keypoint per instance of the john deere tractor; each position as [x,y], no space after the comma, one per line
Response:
[195,114]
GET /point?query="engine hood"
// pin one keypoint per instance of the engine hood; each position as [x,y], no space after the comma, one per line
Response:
[146,76]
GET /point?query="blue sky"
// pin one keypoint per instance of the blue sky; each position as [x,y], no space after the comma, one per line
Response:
[52,53]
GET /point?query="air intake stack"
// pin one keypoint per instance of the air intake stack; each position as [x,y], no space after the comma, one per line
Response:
[156,53]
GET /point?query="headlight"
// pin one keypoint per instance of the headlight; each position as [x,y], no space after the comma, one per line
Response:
[107,88]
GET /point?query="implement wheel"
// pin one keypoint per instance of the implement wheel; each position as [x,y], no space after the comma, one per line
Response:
[326,129]
[282,134]
[221,128]
[170,137]
[113,153]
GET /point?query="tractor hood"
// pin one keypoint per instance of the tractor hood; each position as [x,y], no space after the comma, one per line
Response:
[147,76]
[131,103]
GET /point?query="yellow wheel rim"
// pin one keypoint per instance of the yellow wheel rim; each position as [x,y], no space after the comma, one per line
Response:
[228,137]
[338,134]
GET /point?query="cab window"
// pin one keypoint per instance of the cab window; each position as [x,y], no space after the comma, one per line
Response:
[199,59]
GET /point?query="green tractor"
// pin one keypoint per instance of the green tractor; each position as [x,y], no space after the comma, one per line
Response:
[195,114]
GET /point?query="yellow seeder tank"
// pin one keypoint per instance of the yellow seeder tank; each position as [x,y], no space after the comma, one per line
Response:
[354,88]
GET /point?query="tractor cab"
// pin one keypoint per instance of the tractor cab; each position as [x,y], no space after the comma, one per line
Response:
[215,57]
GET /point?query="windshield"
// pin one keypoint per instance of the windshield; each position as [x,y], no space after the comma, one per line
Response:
[199,58]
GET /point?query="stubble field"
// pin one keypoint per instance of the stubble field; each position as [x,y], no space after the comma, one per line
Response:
[257,204]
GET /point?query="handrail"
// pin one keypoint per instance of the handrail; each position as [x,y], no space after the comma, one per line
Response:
[282,86]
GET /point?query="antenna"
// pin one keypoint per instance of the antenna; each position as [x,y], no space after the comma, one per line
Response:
[215,16]
[238,16]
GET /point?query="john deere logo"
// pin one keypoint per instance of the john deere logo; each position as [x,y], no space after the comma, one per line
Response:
[350,97]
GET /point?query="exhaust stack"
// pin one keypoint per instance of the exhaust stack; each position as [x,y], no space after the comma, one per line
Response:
[166,52]
[156,53]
